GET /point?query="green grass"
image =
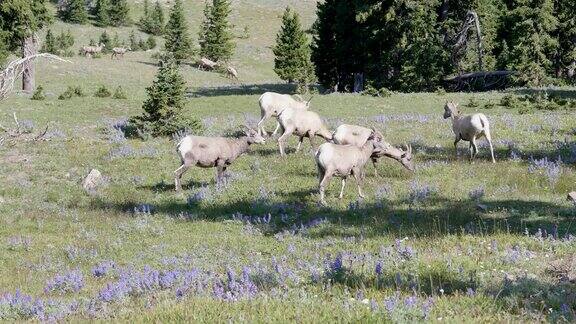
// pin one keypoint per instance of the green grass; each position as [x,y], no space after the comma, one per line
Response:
[514,274]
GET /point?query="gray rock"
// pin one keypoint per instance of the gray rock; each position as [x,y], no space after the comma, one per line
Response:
[572,197]
[482,207]
[93,180]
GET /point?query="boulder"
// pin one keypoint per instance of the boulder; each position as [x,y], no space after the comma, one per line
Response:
[572,196]
[93,180]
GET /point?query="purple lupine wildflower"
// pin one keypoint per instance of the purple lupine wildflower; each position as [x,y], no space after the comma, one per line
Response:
[71,281]
[427,307]
[420,192]
[411,301]
[470,292]
[17,242]
[378,269]
[476,194]
[373,305]
[552,170]
[102,268]
[390,303]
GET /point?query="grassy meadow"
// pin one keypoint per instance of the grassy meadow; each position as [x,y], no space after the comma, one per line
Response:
[453,241]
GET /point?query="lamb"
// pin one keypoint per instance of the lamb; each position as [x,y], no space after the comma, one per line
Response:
[343,161]
[208,152]
[272,104]
[468,128]
[303,123]
[119,51]
[358,135]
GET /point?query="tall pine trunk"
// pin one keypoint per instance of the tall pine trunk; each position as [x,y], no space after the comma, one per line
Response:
[29,47]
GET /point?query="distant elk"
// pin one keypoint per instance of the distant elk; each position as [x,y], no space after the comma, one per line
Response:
[92,50]
[119,51]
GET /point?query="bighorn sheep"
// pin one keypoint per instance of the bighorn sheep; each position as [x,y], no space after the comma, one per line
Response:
[272,104]
[358,135]
[209,152]
[91,50]
[343,161]
[206,64]
[119,51]
[231,73]
[303,123]
[468,128]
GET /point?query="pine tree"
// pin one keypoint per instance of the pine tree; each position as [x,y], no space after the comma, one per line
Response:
[101,13]
[151,42]
[105,39]
[157,23]
[133,42]
[50,44]
[3,48]
[19,22]
[66,40]
[177,38]
[145,19]
[216,38]
[565,64]
[324,45]
[74,11]
[116,40]
[292,51]
[119,13]
[530,24]
[163,107]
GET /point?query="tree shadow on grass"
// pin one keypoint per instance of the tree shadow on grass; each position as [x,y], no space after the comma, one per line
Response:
[242,90]
[434,217]
[558,93]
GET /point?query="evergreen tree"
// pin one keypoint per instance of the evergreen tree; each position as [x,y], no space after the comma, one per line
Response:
[216,38]
[529,25]
[105,39]
[177,38]
[119,13]
[74,11]
[145,19]
[292,51]
[324,45]
[19,21]
[101,13]
[163,107]
[116,40]
[565,64]
[133,42]
[151,42]
[50,44]
[3,49]
[157,23]
[66,40]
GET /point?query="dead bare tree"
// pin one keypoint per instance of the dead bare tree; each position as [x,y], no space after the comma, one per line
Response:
[8,77]
[460,40]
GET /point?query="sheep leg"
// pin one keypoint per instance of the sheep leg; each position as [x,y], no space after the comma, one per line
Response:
[282,139]
[374,160]
[311,137]
[456,147]
[260,125]
[323,183]
[474,148]
[300,140]
[178,175]
[276,130]
[342,190]
[357,173]
[489,139]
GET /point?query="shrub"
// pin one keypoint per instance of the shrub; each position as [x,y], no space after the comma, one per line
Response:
[39,94]
[473,102]
[102,92]
[71,92]
[489,105]
[119,93]
[151,42]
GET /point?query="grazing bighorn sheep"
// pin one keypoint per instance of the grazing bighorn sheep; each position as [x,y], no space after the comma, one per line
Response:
[231,73]
[343,161]
[206,64]
[91,50]
[468,128]
[358,135]
[209,152]
[119,51]
[272,104]
[303,123]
